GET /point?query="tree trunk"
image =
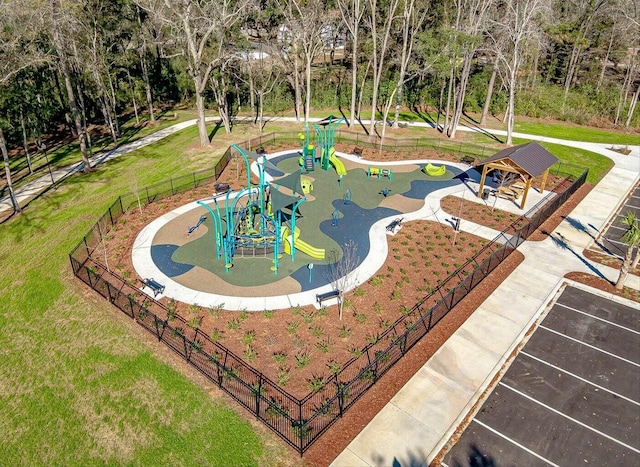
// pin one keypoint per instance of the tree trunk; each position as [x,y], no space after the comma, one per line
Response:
[252,97]
[24,141]
[147,87]
[510,114]
[442,88]
[361,94]
[462,90]
[202,124]
[307,77]
[636,258]
[296,86]
[487,101]
[624,269]
[75,113]
[632,107]
[534,78]
[605,61]
[354,77]
[624,91]
[113,106]
[260,111]
[445,130]
[7,171]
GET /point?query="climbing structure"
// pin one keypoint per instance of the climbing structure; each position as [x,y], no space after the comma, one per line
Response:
[250,222]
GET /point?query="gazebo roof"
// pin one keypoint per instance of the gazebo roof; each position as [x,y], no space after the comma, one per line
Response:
[530,157]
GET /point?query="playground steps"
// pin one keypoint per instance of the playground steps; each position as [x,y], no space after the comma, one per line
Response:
[308,164]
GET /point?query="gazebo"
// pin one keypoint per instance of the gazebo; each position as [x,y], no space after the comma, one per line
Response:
[527,161]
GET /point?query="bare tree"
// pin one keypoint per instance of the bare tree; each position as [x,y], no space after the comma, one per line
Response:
[487,100]
[470,23]
[199,32]
[515,23]
[414,14]
[62,27]
[341,269]
[305,22]
[263,75]
[380,40]
[18,51]
[352,12]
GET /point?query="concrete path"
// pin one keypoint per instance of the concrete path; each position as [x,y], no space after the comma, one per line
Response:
[28,191]
[424,414]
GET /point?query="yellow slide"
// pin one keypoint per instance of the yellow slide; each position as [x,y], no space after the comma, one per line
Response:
[317,253]
[337,163]
[307,249]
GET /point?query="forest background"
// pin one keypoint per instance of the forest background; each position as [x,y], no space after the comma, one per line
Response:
[79,66]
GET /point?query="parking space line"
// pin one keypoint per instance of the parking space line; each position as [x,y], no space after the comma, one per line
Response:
[579,377]
[524,448]
[590,346]
[526,396]
[598,318]
[617,242]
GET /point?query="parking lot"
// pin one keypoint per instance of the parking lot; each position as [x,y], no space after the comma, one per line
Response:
[570,397]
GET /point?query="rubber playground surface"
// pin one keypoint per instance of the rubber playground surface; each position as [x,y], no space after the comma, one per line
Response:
[338,210]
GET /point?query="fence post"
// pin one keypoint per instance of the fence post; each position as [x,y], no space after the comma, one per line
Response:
[171,182]
[258,396]
[147,191]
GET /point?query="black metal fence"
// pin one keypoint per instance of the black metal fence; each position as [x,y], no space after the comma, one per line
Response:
[298,421]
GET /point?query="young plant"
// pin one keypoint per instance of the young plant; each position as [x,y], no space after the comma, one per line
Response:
[324,345]
[280,357]
[302,359]
[249,337]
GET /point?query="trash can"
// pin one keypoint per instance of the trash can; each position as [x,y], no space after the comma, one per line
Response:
[485,194]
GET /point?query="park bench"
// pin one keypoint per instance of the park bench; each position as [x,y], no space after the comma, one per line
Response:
[357,151]
[468,160]
[395,223]
[157,287]
[321,297]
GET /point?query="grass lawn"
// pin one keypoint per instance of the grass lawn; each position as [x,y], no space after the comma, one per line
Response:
[79,383]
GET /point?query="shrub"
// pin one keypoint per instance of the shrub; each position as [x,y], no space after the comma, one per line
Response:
[302,359]
[280,357]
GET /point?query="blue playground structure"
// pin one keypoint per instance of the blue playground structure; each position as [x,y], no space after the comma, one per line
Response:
[256,220]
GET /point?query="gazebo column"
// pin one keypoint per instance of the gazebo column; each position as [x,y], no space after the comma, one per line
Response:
[526,191]
[484,175]
[544,180]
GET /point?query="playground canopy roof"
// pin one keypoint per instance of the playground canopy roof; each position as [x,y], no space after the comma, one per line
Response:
[530,157]
[280,200]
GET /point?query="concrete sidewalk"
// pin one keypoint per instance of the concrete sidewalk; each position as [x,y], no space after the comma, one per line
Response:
[417,423]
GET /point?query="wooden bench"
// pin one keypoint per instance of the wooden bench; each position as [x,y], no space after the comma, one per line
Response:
[357,151]
[321,297]
[157,287]
[468,160]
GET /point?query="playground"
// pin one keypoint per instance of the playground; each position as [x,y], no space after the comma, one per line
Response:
[240,243]
[298,227]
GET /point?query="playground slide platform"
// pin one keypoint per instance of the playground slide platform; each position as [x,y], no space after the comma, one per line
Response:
[338,164]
